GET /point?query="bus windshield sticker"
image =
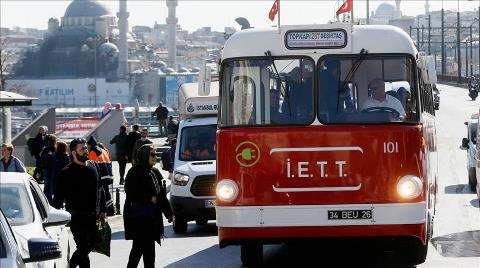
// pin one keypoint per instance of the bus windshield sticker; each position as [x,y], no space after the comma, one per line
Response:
[316,39]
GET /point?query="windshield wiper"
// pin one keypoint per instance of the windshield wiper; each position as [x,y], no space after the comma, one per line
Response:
[272,63]
[356,64]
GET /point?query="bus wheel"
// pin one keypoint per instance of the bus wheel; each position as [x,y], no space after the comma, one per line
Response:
[472,178]
[417,254]
[179,225]
[251,254]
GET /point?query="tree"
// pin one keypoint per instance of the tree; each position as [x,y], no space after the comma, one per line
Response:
[6,56]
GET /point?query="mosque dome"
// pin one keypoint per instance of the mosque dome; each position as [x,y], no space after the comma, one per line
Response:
[385,9]
[108,48]
[86,8]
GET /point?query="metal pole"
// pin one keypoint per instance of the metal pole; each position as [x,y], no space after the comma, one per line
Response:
[459,60]
[429,33]
[6,125]
[466,58]
[443,44]
[95,71]
[418,38]
[471,51]
[423,38]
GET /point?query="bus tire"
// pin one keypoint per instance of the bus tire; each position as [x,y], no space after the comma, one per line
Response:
[180,226]
[251,254]
[419,254]
[472,179]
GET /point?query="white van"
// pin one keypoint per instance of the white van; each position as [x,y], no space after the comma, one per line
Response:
[192,191]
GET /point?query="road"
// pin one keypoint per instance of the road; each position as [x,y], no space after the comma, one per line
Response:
[455,243]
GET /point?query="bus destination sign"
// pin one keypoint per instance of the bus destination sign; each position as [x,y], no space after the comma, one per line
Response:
[316,39]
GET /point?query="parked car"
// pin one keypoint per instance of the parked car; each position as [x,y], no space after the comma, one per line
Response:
[470,144]
[30,215]
[10,255]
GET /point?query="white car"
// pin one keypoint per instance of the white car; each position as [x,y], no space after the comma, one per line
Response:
[31,216]
[39,249]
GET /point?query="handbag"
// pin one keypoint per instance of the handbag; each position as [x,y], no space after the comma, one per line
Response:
[104,237]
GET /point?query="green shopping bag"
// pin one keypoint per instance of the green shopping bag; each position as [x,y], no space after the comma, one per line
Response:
[104,237]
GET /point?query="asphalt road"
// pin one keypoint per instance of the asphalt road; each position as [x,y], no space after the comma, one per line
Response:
[455,243]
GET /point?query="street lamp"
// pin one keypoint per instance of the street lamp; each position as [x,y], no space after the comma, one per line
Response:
[86,48]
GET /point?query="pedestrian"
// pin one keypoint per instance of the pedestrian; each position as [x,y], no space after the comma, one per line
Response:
[101,157]
[161,112]
[62,159]
[121,151]
[9,162]
[133,136]
[80,187]
[107,108]
[38,143]
[142,141]
[168,158]
[47,160]
[172,128]
[146,201]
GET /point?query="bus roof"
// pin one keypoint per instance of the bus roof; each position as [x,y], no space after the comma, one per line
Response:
[255,42]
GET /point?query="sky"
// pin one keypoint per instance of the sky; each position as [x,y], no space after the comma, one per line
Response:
[193,14]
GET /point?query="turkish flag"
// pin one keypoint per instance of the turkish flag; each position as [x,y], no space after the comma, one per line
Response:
[346,7]
[273,11]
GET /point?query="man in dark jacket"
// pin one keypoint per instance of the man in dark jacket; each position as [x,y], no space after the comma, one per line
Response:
[172,128]
[142,141]
[133,136]
[47,160]
[121,151]
[39,142]
[161,112]
[79,186]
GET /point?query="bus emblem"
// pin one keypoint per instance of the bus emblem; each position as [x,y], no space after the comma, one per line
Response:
[247,154]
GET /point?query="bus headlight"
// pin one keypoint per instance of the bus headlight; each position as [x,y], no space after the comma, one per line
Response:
[409,186]
[180,179]
[227,190]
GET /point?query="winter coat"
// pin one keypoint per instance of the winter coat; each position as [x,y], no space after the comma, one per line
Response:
[142,219]
[133,136]
[121,145]
[61,161]
[15,165]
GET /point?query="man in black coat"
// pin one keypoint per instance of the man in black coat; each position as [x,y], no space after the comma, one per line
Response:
[121,151]
[133,136]
[161,112]
[39,142]
[80,187]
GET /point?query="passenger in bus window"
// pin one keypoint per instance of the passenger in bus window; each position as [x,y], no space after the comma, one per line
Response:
[297,102]
[379,99]
[276,116]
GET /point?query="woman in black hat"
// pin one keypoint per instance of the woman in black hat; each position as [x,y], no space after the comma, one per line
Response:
[146,200]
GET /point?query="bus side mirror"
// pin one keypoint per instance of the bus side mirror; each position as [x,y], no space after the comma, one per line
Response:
[465,143]
[465,123]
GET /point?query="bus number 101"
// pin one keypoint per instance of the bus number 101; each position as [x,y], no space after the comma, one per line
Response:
[390,147]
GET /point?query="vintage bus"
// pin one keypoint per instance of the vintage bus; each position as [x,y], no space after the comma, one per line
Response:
[326,131]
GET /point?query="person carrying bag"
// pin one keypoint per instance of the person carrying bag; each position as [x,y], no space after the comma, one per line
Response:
[146,201]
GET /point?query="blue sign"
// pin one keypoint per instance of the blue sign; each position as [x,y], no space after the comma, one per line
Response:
[172,83]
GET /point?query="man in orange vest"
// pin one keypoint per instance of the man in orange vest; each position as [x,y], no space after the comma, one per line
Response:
[102,158]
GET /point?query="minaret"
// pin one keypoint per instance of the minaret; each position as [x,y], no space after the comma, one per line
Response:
[123,46]
[172,28]
[427,8]
[398,11]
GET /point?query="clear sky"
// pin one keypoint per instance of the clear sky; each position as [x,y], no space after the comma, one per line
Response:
[193,14]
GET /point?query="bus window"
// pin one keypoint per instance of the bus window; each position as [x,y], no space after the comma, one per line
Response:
[267,92]
[376,89]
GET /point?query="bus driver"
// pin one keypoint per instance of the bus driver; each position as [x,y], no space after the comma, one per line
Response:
[380,99]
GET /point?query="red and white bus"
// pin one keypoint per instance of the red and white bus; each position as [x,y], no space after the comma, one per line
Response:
[326,131]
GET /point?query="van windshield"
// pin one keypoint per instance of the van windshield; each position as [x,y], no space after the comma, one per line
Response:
[197,143]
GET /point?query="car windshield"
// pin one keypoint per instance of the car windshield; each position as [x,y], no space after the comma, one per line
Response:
[369,89]
[16,204]
[197,143]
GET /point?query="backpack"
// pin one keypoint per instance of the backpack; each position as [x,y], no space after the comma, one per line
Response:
[31,145]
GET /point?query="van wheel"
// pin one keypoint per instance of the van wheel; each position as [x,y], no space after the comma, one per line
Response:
[472,178]
[180,226]
[418,254]
[201,222]
[251,254]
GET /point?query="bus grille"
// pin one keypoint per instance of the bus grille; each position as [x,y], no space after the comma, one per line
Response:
[203,186]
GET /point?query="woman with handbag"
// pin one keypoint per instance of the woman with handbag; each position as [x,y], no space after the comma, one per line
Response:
[146,201]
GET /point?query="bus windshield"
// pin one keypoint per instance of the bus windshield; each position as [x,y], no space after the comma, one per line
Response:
[267,91]
[197,143]
[373,89]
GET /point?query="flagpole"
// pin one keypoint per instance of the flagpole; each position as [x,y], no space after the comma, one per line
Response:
[351,6]
[279,30]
